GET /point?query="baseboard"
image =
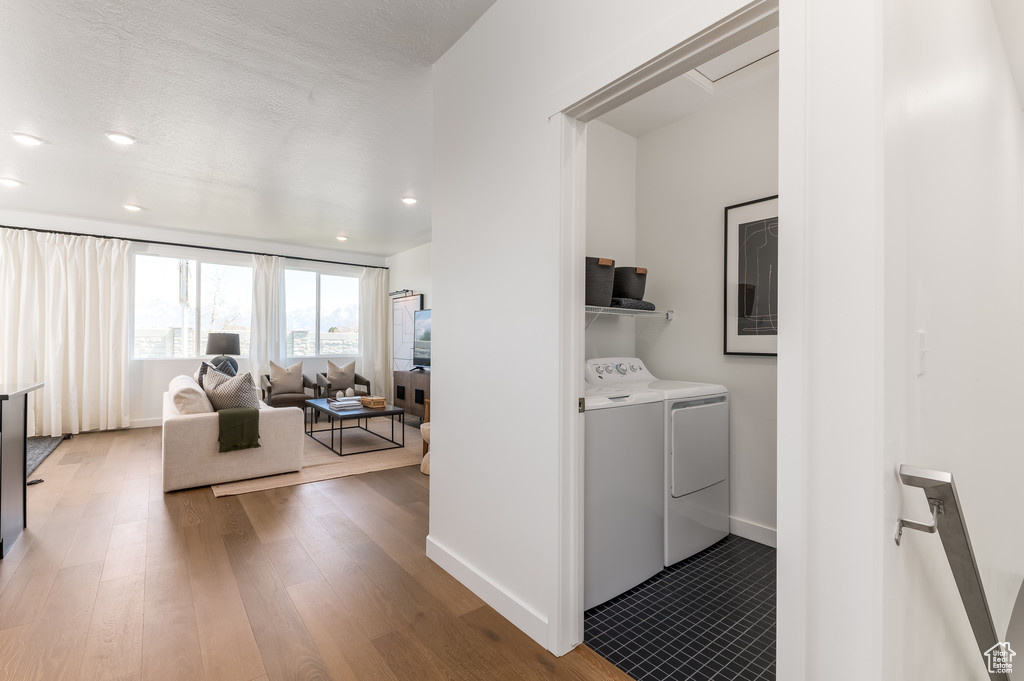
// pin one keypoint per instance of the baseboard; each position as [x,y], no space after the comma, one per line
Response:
[146,423]
[753,531]
[532,623]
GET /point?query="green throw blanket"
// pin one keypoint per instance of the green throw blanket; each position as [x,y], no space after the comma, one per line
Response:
[239,429]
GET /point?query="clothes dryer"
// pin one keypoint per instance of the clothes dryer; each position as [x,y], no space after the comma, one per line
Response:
[696,466]
[695,428]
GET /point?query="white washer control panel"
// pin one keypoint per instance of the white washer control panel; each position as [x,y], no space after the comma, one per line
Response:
[616,371]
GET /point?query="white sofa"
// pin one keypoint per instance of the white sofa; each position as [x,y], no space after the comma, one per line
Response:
[191,456]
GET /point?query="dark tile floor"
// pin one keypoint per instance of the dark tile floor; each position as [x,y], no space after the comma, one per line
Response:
[711,616]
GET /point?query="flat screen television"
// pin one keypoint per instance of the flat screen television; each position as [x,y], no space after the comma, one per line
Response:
[421,340]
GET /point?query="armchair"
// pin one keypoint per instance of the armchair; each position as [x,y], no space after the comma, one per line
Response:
[425,429]
[324,388]
[425,432]
[278,399]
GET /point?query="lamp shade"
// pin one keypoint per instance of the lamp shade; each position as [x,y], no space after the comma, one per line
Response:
[223,344]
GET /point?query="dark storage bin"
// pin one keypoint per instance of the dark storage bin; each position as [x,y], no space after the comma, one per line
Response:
[629,282]
[600,277]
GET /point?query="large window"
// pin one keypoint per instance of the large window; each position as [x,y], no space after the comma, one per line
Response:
[176,296]
[225,295]
[322,314]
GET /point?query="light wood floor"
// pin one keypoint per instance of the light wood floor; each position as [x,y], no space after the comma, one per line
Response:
[116,580]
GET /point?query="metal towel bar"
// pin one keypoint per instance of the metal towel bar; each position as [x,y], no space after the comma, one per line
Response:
[948,519]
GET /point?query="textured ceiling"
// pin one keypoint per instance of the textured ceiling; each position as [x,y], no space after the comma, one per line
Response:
[286,121]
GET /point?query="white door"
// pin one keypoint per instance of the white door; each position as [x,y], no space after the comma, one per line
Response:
[699,447]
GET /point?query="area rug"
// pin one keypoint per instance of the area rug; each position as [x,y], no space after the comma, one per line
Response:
[37,449]
[320,463]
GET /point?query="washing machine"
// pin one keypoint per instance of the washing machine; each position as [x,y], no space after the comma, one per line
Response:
[624,515]
[695,451]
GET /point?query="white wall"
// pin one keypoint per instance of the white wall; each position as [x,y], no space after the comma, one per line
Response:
[495,494]
[412,269]
[688,172]
[611,228]
[900,183]
[831,529]
[955,269]
[148,379]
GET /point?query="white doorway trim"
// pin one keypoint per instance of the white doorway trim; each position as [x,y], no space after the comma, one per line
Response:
[567,630]
[754,19]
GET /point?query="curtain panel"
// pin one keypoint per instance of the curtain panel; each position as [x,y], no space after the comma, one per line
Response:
[374,316]
[267,338]
[65,321]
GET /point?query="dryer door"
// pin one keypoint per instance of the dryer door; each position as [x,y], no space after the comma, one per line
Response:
[699,443]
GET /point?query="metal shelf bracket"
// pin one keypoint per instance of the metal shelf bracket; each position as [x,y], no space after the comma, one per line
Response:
[936,507]
[594,310]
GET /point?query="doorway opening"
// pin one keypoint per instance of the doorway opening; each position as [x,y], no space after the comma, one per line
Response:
[655,159]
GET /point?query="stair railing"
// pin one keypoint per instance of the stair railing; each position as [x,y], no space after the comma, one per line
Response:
[948,520]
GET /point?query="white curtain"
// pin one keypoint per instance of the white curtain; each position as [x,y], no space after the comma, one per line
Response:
[373,329]
[65,322]
[267,338]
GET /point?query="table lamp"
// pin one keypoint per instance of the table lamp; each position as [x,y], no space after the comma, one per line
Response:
[222,345]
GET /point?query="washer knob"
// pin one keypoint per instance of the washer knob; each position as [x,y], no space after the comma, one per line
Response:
[600,369]
[621,368]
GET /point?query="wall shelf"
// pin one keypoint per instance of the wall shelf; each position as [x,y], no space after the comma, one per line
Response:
[624,312]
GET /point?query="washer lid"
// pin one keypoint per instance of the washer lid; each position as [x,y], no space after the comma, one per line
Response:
[609,398]
[671,390]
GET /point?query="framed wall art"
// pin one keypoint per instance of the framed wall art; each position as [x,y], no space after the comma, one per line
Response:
[403,311]
[752,277]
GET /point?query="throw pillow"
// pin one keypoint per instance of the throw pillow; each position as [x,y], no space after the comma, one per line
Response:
[230,392]
[288,380]
[188,397]
[341,377]
[224,366]
[203,368]
[206,368]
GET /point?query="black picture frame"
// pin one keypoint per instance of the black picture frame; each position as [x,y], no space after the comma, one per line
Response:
[751,318]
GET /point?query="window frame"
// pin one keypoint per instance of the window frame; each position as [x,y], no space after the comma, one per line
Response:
[200,256]
[319,270]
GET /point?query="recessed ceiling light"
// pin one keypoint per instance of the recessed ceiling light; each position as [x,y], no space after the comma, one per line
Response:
[27,140]
[342,237]
[120,138]
[408,200]
[132,207]
[10,182]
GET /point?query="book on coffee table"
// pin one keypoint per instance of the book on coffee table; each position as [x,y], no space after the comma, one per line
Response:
[344,403]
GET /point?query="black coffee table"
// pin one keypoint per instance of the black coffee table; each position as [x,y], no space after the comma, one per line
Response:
[361,415]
